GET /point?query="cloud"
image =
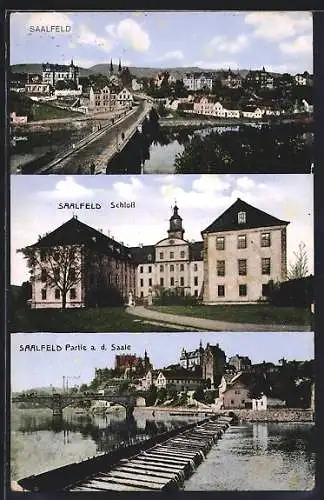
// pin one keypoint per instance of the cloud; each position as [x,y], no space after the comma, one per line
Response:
[222,43]
[215,64]
[245,183]
[303,44]
[68,189]
[173,54]
[128,190]
[276,26]
[211,183]
[131,34]
[88,37]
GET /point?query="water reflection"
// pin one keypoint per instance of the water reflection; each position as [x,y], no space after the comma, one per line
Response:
[41,442]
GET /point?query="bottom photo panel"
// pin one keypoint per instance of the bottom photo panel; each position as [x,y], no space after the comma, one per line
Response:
[155,411]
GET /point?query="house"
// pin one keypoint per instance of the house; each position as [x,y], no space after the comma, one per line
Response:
[198,81]
[17,120]
[78,266]
[69,92]
[266,403]
[259,79]
[304,79]
[172,263]
[230,79]
[124,99]
[254,112]
[149,379]
[136,85]
[179,380]
[244,248]
[240,363]
[234,392]
[102,100]
[51,73]
[37,88]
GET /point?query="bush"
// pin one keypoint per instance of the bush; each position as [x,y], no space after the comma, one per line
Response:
[168,297]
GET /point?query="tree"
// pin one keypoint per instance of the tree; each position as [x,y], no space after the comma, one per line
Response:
[151,395]
[299,268]
[56,267]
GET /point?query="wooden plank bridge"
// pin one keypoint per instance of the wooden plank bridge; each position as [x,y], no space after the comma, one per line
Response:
[160,463]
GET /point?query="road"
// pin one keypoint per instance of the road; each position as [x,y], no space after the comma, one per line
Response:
[98,147]
[210,324]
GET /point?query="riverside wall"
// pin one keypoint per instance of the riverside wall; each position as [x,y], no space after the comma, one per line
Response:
[275,415]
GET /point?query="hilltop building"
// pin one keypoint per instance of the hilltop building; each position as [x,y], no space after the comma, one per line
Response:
[198,81]
[54,72]
[259,79]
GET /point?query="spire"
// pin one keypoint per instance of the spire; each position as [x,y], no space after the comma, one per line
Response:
[71,63]
[111,66]
[119,65]
[176,230]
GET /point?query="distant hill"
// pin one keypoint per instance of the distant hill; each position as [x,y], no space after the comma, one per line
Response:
[138,72]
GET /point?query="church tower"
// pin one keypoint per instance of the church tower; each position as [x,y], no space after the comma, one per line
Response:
[111,67]
[176,230]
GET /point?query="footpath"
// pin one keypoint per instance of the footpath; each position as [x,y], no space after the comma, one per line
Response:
[203,324]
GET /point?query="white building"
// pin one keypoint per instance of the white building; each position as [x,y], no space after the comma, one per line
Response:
[198,81]
[244,249]
[124,99]
[172,263]
[54,72]
[136,85]
[37,88]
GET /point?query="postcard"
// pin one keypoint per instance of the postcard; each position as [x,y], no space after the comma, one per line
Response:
[125,412]
[131,93]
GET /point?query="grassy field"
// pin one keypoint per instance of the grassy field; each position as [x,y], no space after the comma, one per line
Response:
[44,112]
[255,314]
[109,319]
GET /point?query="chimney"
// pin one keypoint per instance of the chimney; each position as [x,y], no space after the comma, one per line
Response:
[140,245]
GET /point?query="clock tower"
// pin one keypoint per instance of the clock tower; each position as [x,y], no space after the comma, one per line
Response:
[176,230]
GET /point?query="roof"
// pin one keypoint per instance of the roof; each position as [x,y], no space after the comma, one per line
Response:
[255,217]
[196,250]
[180,375]
[141,254]
[75,232]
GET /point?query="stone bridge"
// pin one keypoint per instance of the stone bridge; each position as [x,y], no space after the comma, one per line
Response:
[57,402]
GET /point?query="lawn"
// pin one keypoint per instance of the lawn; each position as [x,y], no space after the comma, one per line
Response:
[109,319]
[245,313]
[44,112]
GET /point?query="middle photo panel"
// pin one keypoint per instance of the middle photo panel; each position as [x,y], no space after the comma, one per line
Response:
[162,253]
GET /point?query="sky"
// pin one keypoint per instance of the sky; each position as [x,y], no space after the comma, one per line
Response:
[41,369]
[200,198]
[281,41]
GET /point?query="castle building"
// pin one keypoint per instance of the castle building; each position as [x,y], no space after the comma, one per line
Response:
[132,365]
[54,72]
[244,248]
[77,266]
[208,362]
[198,81]
[231,80]
[240,363]
[259,79]
[172,263]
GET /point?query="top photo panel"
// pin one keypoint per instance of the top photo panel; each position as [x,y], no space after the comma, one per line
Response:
[160,92]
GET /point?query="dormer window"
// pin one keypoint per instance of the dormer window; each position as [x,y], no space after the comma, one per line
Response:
[149,257]
[241,217]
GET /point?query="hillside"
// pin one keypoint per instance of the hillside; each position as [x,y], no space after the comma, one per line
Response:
[139,72]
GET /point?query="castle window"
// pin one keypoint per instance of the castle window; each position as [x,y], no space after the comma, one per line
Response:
[196,281]
[221,268]
[241,241]
[142,294]
[182,254]
[242,290]
[182,281]
[161,268]
[141,282]
[195,267]
[241,217]
[221,291]
[196,293]
[161,255]
[265,266]
[161,282]
[242,267]
[72,294]
[57,294]
[265,240]
[265,289]
[44,294]
[150,281]
[220,243]
[171,268]
[149,257]
[72,275]
[171,281]
[141,269]
[171,255]
[181,267]
[149,269]
[43,275]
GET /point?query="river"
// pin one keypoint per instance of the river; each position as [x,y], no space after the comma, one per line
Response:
[249,456]
[40,443]
[259,456]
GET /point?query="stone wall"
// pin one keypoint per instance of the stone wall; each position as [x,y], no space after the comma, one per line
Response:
[275,415]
